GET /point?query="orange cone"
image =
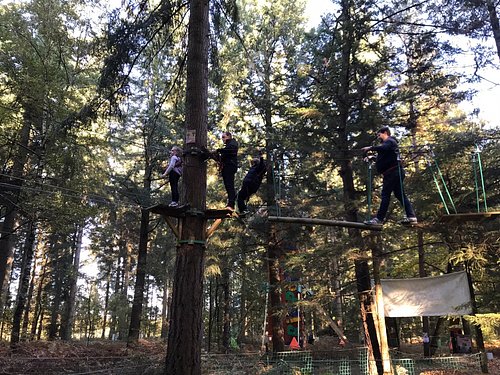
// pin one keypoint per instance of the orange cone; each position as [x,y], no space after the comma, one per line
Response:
[294,344]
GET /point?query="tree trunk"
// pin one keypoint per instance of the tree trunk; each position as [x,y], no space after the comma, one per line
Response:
[40,326]
[23,284]
[116,292]
[106,302]
[10,219]
[135,315]
[125,278]
[27,308]
[69,313]
[185,334]
[226,305]
[243,295]
[38,300]
[273,247]
[494,23]
[58,268]
[164,311]
[362,269]
[274,253]
[336,286]
[210,314]
[217,310]
[479,332]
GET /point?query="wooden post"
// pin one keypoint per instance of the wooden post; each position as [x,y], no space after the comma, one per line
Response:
[378,314]
[422,273]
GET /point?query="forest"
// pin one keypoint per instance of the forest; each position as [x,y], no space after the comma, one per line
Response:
[94,95]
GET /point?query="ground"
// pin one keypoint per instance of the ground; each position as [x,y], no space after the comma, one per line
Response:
[146,357]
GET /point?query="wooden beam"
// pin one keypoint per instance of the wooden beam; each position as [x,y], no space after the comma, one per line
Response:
[212,228]
[327,318]
[172,226]
[165,210]
[331,223]
[471,216]
[217,214]
[185,210]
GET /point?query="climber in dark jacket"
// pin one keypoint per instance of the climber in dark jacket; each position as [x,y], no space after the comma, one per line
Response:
[251,183]
[388,165]
[228,159]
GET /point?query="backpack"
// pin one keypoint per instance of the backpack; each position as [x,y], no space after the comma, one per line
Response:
[178,165]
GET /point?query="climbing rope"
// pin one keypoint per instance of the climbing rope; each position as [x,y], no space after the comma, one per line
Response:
[276,183]
[476,162]
[369,163]
[400,171]
[435,170]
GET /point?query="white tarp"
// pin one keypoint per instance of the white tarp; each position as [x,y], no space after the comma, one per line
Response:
[427,296]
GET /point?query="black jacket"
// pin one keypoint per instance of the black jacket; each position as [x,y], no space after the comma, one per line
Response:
[229,154]
[256,173]
[387,155]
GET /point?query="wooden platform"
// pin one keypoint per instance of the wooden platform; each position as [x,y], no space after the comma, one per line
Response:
[471,216]
[331,223]
[185,210]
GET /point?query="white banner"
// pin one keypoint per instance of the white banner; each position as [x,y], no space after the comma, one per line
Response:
[427,296]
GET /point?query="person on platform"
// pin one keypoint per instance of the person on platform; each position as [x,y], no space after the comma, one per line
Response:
[389,166]
[251,183]
[228,159]
[173,173]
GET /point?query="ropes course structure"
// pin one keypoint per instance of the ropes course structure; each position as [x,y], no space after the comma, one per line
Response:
[479,190]
[274,213]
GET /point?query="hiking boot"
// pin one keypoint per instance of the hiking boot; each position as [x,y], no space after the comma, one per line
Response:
[374,221]
[409,220]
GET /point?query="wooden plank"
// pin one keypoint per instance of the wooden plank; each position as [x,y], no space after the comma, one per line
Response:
[182,211]
[470,216]
[166,210]
[218,214]
[331,223]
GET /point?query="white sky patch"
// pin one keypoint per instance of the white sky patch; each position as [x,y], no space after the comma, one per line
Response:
[317,8]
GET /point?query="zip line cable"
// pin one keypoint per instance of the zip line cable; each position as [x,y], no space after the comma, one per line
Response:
[69,192]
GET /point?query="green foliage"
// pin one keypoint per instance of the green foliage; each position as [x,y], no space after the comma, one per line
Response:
[490,324]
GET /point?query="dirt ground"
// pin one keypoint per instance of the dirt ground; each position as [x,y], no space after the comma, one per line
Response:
[105,357]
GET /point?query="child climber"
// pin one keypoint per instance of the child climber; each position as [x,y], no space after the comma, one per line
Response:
[173,173]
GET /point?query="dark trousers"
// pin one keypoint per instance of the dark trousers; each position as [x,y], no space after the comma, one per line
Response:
[393,183]
[228,173]
[246,191]
[173,178]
